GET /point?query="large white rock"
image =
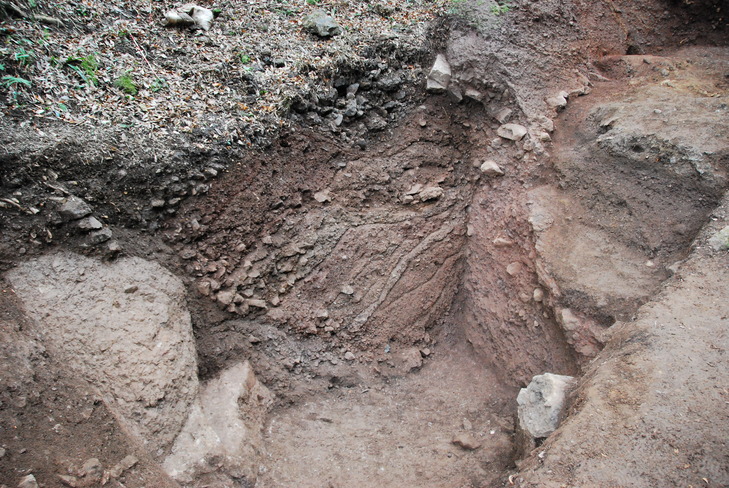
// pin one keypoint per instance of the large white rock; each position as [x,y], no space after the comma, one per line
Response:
[541,403]
[123,327]
[223,431]
[440,75]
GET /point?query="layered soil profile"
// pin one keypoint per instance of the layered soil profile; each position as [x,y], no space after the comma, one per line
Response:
[346,280]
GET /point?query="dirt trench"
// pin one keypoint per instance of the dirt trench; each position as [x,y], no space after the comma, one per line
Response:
[384,302]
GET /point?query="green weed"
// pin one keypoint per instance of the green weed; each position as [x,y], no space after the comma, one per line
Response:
[23,57]
[86,67]
[9,81]
[500,9]
[126,83]
[158,84]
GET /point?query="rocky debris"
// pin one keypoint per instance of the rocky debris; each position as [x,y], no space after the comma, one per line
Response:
[92,470]
[226,297]
[503,115]
[74,208]
[513,132]
[490,168]
[466,441]
[190,15]
[512,269]
[322,24]
[545,123]
[455,93]
[99,236]
[323,196]
[89,223]
[540,407]
[431,193]
[68,480]
[409,360]
[223,433]
[128,462]
[136,348]
[439,76]
[473,95]
[390,82]
[559,101]
[28,482]
[720,240]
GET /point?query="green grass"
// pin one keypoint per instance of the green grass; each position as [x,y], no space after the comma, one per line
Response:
[9,81]
[126,83]
[23,57]
[500,9]
[86,67]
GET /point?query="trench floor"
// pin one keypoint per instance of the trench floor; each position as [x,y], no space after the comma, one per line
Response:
[397,432]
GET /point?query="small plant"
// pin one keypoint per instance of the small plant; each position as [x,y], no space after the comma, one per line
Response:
[500,9]
[313,2]
[126,84]
[9,81]
[90,66]
[86,67]
[23,57]
[245,59]
[456,6]
[158,84]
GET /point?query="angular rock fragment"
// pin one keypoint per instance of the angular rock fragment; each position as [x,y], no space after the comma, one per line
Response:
[490,168]
[440,75]
[100,236]
[74,208]
[557,102]
[89,223]
[28,482]
[503,115]
[513,132]
[322,196]
[127,463]
[431,193]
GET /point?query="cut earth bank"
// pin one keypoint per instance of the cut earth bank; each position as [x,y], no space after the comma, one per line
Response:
[327,315]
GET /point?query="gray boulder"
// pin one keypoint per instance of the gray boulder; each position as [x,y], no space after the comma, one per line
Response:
[322,24]
[540,408]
